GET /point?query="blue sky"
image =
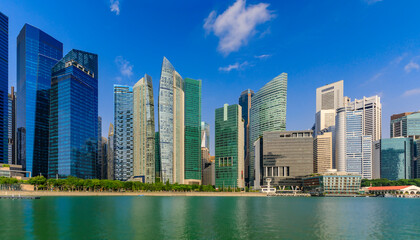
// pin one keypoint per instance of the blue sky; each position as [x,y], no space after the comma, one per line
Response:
[233,45]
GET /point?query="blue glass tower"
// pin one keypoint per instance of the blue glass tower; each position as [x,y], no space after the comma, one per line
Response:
[37,53]
[4,78]
[74,116]
[396,158]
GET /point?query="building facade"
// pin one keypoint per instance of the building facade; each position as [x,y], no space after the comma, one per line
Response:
[205,135]
[268,113]
[372,115]
[104,157]
[245,103]
[405,125]
[12,152]
[193,165]
[333,183]
[171,124]
[4,85]
[110,153]
[74,116]
[144,130]
[397,155]
[157,157]
[229,147]
[323,152]
[99,160]
[37,53]
[123,133]
[328,99]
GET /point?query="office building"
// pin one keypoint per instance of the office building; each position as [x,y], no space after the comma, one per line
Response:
[245,103]
[110,153]
[99,161]
[205,135]
[328,99]
[287,154]
[193,167]
[353,149]
[123,133]
[12,152]
[323,152]
[171,124]
[396,158]
[372,115]
[376,159]
[157,157]
[258,162]
[4,82]
[144,130]
[405,125]
[37,53]
[229,147]
[208,167]
[104,158]
[332,183]
[268,113]
[74,116]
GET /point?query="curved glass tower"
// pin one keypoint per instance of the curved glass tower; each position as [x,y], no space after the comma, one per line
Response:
[171,124]
[268,113]
[144,130]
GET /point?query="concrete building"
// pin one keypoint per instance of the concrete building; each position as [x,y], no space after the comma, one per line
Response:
[229,147]
[144,130]
[396,190]
[12,151]
[323,152]
[258,163]
[287,154]
[372,115]
[245,103]
[376,159]
[332,182]
[328,99]
[110,153]
[208,173]
[268,113]
[405,125]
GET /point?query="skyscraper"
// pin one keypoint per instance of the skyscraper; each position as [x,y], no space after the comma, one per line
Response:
[268,113]
[323,152]
[74,116]
[157,156]
[99,160]
[110,153]
[328,99]
[396,158]
[405,125]
[4,81]
[104,158]
[37,53]
[193,168]
[123,132]
[354,150]
[229,147]
[205,135]
[171,124]
[144,130]
[245,103]
[372,115]
[12,155]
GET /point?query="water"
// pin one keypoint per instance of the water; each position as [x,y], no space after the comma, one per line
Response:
[209,218]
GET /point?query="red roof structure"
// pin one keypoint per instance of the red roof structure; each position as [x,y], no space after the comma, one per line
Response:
[388,188]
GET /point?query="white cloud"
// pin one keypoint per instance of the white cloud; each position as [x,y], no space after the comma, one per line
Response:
[126,69]
[411,66]
[236,66]
[263,56]
[115,6]
[412,92]
[372,1]
[235,26]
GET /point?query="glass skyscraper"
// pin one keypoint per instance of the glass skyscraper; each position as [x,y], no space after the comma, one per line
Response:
[396,158]
[268,113]
[245,103]
[205,135]
[110,153]
[192,89]
[171,124]
[144,130]
[12,127]
[229,147]
[74,116]
[123,132]
[157,156]
[4,82]
[37,53]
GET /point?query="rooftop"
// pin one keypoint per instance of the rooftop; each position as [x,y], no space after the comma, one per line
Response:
[388,188]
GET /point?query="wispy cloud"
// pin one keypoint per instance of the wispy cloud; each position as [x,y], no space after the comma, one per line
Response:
[124,66]
[236,66]
[372,1]
[411,66]
[412,92]
[263,56]
[235,26]
[115,6]
[380,74]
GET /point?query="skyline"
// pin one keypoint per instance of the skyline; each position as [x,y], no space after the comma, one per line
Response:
[374,49]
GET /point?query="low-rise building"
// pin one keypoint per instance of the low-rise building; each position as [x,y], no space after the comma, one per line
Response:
[332,183]
[382,190]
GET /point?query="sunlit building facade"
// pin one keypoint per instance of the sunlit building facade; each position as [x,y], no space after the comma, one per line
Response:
[110,153]
[396,158]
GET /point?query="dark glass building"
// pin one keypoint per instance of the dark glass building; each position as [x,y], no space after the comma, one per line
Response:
[396,158]
[74,116]
[4,81]
[245,103]
[37,53]
[192,90]
[157,157]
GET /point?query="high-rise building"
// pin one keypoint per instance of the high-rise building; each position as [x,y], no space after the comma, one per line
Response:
[268,113]
[37,53]
[405,125]
[144,130]
[104,158]
[328,99]
[157,156]
[123,132]
[258,162]
[205,135]
[396,158]
[110,153]
[376,159]
[193,168]
[12,153]
[4,82]
[99,160]
[229,147]
[372,115]
[245,103]
[354,150]
[171,124]
[74,116]
[323,152]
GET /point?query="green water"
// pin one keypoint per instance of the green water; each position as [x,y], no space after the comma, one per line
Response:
[209,218]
